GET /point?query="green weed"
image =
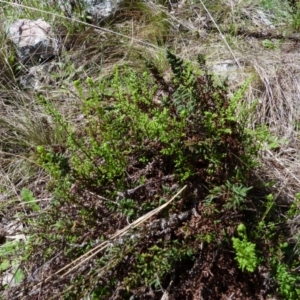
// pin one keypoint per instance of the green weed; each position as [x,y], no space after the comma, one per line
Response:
[126,160]
[27,196]
[288,283]
[10,259]
[245,250]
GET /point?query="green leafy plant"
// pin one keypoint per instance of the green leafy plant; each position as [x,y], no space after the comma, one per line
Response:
[245,250]
[5,250]
[128,159]
[269,205]
[237,194]
[269,44]
[288,282]
[127,207]
[27,196]
[234,194]
[54,161]
[294,209]
[10,259]
[150,267]
[118,128]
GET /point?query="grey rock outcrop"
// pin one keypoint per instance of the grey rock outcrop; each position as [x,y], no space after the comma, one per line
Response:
[34,41]
[37,77]
[101,8]
[96,9]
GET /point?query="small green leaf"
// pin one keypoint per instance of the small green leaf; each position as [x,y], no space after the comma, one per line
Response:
[19,275]
[28,197]
[4,265]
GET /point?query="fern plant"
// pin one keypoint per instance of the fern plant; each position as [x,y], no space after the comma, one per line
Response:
[245,251]
[125,160]
[288,282]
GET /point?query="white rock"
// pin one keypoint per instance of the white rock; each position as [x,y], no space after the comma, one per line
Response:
[8,279]
[263,18]
[97,9]
[101,8]
[226,69]
[34,41]
[37,77]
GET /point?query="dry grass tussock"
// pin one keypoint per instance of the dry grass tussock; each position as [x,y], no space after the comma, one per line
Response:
[223,31]
[276,87]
